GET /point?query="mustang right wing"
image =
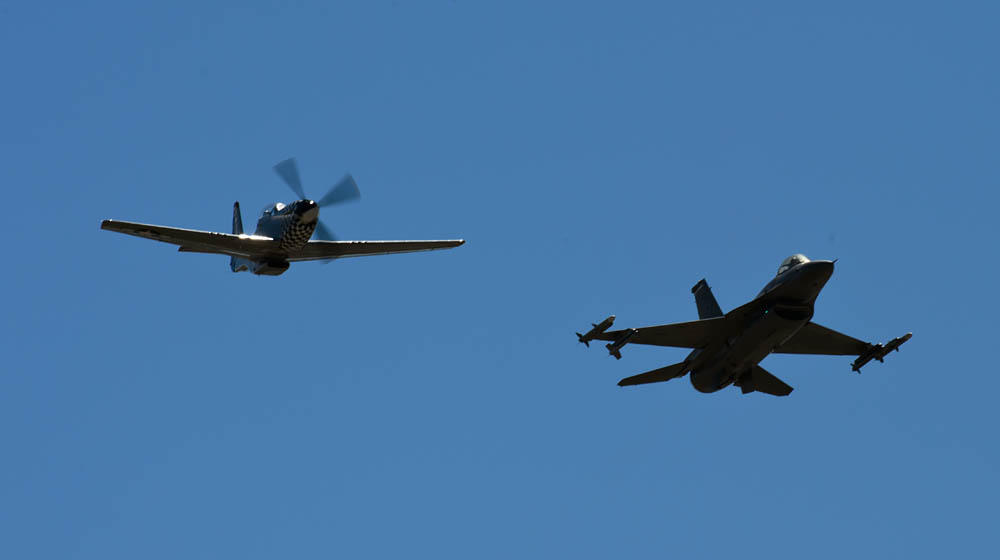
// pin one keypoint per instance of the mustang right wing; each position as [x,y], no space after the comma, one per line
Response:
[320,250]
[694,334]
[195,241]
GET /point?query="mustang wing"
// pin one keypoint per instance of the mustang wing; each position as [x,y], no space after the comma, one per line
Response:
[194,241]
[817,339]
[694,334]
[319,250]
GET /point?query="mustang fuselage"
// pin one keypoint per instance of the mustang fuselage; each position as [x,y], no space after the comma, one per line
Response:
[292,225]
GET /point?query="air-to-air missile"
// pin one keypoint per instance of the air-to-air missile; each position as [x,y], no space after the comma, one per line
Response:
[598,329]
[614,348]
[878,352]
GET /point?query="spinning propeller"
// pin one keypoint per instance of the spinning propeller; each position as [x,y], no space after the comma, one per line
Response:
[344,190]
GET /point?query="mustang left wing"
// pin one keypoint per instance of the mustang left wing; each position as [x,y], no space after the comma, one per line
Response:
[817,339]
[195,241]
[693,334]
[320,250]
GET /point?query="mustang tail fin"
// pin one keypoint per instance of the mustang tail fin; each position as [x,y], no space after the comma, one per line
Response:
[708,308]
[236,264]
[237,219]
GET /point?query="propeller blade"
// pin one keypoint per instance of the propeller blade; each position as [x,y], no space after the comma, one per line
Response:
[346,189]
[323,233]
[289,171]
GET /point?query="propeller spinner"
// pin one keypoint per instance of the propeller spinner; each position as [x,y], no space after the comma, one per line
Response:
[344,190]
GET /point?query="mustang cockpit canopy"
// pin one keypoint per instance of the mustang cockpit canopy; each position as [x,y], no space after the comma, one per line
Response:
[792,261]
[272,209]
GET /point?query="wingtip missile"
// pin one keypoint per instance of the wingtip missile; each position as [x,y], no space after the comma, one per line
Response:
[879,351]
[895,343]
[596,330]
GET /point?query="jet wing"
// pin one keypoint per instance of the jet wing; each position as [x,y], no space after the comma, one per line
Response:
[694,334]
[195,241]
[817,339]
[320,250]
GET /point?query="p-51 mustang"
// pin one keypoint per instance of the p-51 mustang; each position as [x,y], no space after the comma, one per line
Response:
[283,232]
[727,348]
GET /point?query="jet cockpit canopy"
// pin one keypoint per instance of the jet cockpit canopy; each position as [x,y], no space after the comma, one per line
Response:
[792,261]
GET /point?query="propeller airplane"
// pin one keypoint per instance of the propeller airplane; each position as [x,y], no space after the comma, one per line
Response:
[284,232]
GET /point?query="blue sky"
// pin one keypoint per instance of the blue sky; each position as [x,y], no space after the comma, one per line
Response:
[599,159]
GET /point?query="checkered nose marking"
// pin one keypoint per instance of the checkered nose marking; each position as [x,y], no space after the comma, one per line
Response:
[298,233]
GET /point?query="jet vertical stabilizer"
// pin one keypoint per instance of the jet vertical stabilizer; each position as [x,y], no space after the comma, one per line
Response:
[708,308]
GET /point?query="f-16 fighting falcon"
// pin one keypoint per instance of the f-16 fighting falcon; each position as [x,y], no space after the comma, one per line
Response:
[727,348]
[283,232]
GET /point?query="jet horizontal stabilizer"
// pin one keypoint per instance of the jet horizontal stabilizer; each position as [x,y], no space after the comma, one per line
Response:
[879,352]
[761,380]
[662,374]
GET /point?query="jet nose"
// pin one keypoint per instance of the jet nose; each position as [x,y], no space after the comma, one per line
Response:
[819,271]
[307,210]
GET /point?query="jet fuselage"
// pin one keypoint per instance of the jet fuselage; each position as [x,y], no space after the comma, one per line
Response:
[787,303]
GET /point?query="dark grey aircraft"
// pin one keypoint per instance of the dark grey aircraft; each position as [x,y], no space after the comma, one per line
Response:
[727,348]
[283,232]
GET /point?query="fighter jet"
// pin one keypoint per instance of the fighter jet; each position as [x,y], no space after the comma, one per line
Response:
[283,232]
[728,348]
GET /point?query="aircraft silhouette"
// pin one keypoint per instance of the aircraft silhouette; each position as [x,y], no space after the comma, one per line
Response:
[283,232]
[728,348]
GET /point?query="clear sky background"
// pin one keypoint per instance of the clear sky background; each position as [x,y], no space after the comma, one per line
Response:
[599,159]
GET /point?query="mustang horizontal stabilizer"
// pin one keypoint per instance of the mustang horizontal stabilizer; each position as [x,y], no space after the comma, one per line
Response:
[817,339]
[694,334]
[662,374]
